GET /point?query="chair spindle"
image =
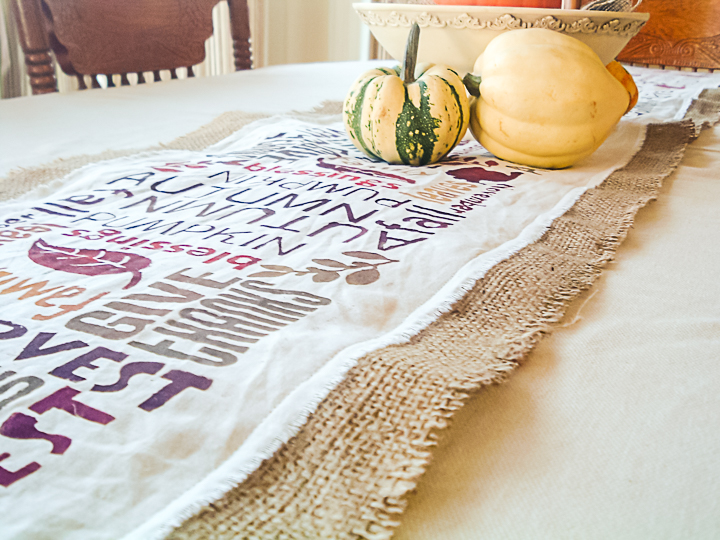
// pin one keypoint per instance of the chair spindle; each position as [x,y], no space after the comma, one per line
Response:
[35,45]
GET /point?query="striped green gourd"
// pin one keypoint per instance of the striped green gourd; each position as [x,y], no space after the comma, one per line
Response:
[391,116]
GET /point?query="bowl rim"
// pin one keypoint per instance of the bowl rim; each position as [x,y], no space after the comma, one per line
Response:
[494,10]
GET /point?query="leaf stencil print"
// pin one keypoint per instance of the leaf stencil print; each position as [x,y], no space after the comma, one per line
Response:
[88,262]
[363,273]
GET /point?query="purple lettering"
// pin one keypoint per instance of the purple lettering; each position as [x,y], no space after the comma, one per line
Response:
[66,371]
[22,426]
[180,381]
[127,372]
[363,230]
[7,478]
[385,239]
[16,330]
[63,399]
[34,348]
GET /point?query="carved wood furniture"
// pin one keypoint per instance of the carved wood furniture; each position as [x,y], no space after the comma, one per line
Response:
[92,37]
[680,33]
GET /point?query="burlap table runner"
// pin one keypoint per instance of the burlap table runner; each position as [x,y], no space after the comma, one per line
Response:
[348,470]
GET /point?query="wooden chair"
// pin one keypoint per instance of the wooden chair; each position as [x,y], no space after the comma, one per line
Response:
[94,37]
[680,34]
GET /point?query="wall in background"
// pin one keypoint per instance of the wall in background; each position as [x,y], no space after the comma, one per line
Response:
[13,81]
[298,31]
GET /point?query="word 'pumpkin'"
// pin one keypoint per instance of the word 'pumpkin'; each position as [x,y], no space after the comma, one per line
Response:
[406,120]
[545,99]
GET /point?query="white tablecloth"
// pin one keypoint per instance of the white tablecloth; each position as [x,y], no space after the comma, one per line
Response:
[609,430]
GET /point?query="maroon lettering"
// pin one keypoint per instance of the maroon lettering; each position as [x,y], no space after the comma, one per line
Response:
[181,380]
[137,178]
[477,175]
[384,243]
[286,226]
[35,347]
[156,185]
[66,371]
[349,213]
[16,330]
[22,426]
[127,372]
[334,224]
[63,400]
[292,197]
[242,261]
[7,478]
[427,223]
[278,240]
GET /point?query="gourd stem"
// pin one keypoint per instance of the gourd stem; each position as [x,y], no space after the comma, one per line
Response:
[472,83]
[411,50]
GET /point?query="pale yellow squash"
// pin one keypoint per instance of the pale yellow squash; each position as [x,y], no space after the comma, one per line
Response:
[546,99]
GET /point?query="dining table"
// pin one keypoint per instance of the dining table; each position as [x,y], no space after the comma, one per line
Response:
[472,350]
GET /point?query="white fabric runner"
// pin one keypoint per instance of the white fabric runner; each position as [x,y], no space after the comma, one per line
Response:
[170,318]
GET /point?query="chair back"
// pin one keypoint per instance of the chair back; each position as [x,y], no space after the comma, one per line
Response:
[680,33]
[107,37]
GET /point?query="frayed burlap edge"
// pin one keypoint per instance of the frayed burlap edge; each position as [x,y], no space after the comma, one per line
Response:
[348,471]
[22,180]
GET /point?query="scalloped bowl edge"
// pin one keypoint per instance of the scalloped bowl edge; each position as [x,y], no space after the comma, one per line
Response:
[457,35]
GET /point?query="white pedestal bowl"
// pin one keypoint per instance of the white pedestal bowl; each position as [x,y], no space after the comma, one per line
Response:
[457,35]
